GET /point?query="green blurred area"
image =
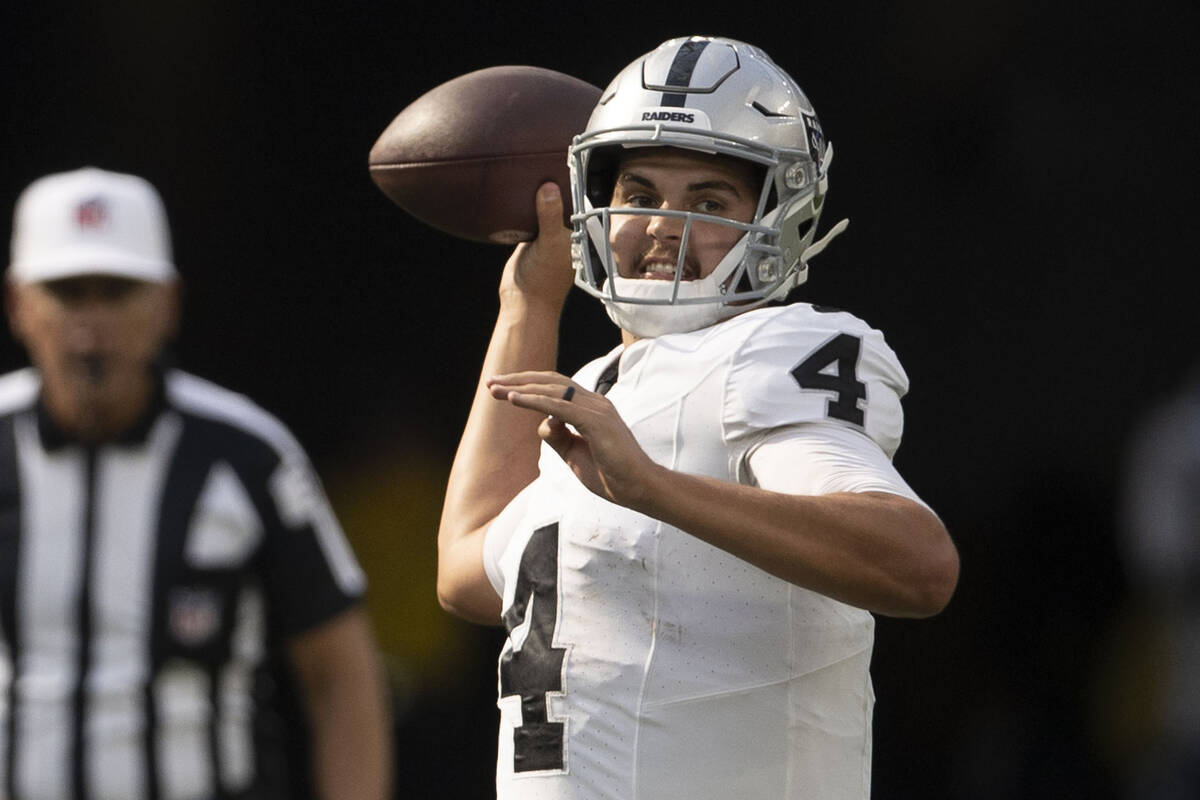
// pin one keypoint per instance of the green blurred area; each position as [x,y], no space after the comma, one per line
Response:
[389,499]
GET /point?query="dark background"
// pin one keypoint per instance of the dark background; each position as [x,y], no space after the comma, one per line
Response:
[1020,182]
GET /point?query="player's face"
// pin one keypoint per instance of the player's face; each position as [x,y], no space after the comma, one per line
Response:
[92,337]
[678,180]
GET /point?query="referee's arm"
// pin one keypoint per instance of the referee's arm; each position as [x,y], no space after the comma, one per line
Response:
[317,587]
[342,685]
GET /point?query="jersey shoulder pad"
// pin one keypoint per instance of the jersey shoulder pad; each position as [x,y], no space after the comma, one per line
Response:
[798,363]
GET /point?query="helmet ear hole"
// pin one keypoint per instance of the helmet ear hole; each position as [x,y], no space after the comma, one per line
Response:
[744,284]
[803,228]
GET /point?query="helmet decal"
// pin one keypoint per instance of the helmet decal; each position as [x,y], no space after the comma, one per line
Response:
[816,137]
[681,70]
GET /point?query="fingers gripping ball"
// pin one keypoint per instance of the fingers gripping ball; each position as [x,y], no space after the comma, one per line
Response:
[467,156]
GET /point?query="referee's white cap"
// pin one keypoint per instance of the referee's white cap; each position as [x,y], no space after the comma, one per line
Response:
[90,222]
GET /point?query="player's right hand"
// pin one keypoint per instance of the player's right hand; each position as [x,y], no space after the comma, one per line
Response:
[540,271]
[602,451]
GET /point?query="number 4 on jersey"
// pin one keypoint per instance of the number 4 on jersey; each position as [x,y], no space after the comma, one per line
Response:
[535,670]
[842,352]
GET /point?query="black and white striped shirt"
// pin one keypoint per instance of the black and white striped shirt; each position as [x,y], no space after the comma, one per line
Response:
[141,585]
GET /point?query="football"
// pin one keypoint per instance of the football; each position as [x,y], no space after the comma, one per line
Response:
[467,156]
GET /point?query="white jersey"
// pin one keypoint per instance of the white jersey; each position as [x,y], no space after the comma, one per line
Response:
[644,663]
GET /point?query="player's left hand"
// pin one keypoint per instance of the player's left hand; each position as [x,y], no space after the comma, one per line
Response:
[601,450]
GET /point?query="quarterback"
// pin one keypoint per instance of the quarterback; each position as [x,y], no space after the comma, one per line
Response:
[687,539]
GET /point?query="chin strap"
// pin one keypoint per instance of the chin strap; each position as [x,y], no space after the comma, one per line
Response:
[816,247]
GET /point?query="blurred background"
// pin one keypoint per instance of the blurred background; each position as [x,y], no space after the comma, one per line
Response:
[1020,179]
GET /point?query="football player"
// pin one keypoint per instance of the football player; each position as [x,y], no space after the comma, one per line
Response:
[687,539]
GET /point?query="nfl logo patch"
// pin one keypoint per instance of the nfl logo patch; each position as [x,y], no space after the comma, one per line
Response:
[193,615]
[92,213]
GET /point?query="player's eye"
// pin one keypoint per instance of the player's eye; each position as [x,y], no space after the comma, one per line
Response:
[636,200]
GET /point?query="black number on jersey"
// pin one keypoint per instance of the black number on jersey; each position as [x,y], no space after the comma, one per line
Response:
[843,351]
[537,668]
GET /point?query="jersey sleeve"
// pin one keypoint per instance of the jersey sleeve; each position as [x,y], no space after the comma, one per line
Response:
[311,571]
[805,365]
[302,562]
[822,458]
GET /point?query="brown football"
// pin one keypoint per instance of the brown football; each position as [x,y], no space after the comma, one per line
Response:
[467,156]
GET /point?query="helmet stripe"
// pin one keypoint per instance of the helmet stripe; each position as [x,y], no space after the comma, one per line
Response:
[681,71]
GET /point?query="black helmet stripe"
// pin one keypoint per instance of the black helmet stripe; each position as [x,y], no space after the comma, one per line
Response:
[681,71]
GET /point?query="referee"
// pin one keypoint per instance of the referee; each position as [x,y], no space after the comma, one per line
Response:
[160,539]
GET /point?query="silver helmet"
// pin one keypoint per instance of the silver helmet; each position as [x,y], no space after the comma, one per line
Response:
[713,95]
